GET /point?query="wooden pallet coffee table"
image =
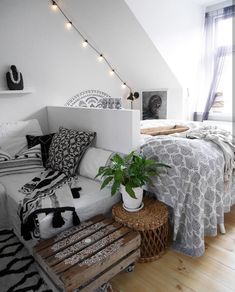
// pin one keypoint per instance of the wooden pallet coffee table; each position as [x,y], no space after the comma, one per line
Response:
[85,257]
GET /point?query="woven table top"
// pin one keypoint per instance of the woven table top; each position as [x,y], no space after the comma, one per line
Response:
[153,215]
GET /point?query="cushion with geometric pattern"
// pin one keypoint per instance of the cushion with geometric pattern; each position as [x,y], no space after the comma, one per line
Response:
[67,148]
[44,141]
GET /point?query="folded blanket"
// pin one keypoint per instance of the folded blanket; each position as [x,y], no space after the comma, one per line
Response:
[223,139]
[51,192]
[164,130]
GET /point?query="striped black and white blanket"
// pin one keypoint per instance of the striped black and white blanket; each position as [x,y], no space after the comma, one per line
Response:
[51,192]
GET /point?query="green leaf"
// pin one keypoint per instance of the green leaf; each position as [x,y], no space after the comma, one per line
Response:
[129,156]
[117,158]
[162,165]
[136,182]
[100,171]
[106,182]
[149,162]
[118,175]
[130,191]
[108,172]
[115,188]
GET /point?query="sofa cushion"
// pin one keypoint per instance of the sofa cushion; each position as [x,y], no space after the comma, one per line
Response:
[13,135]
[92,160]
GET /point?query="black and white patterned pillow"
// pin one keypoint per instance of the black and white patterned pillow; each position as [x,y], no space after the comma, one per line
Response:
[44,141]
[67,148]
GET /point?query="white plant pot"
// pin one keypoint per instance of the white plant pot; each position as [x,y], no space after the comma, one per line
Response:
[129,202]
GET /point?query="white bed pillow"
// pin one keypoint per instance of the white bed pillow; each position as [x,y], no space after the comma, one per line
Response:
[13,135]
[92,160]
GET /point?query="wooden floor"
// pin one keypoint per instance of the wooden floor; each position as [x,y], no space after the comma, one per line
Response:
[213,272]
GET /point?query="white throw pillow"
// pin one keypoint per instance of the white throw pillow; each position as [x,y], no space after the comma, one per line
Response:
[92,160]
[13,135]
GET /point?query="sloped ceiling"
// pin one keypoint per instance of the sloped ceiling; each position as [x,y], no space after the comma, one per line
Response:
[117,33]
[175,28]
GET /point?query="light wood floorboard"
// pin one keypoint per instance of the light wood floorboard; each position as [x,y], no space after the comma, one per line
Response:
[213,272]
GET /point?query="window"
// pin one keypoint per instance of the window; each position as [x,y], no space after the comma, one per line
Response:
[216,74]
[223,38]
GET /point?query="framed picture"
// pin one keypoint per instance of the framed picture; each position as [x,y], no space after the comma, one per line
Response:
[154,105]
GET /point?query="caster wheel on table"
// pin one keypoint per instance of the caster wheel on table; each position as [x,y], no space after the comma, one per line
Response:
[106,287]
[130,268]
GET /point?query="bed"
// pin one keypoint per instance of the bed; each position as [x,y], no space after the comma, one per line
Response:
[195,187]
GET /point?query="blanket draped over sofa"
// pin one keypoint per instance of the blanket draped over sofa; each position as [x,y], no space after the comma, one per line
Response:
[194,186]
[51,192]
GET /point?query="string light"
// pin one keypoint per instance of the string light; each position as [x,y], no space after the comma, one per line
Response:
[100,58]
[111,72]
[69,24]
[54,6]
[85,43]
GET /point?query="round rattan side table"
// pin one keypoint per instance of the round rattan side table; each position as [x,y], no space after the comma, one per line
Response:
[151,222]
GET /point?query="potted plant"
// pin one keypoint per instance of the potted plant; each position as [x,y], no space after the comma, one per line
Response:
[128,175]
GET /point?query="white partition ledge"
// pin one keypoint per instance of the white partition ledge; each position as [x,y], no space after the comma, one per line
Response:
[117,130]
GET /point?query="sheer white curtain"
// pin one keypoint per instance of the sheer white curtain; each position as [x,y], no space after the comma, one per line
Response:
[217,45]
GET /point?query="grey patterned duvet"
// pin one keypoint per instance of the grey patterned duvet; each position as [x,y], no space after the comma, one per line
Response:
[194,188]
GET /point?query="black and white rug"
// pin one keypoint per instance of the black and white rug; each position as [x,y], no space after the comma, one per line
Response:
[18,271]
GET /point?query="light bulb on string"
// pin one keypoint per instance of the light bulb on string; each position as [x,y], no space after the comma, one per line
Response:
[69,24]
[111,72]
[100,58]
[54,6]
[85,43]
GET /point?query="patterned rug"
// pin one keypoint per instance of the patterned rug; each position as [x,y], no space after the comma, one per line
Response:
[18,271]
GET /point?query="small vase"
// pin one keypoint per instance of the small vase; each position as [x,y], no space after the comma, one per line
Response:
[129,202]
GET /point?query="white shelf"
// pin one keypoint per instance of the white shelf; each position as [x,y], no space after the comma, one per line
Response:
[15,92]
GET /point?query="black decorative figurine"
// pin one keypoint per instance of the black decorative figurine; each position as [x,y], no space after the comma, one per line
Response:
[14,79]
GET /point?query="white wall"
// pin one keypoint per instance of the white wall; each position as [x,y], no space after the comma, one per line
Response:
[175,28]
[111,136]
[220,5]
[53,63]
